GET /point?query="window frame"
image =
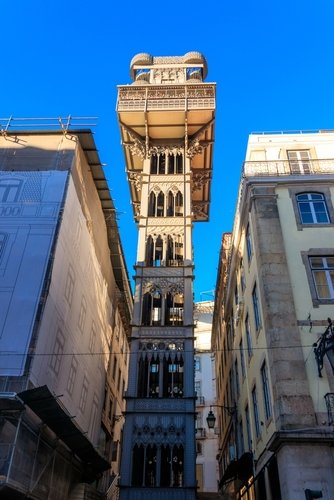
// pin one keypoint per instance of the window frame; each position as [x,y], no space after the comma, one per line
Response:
[249,243]
[315,252]
[256,308]
[256,413]
[303,189]
[267,403]
[311,203]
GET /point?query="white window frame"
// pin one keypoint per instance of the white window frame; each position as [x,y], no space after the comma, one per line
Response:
[311,200]
[299,161]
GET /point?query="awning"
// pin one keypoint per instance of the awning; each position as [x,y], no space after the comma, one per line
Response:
[49,409]
[241,469]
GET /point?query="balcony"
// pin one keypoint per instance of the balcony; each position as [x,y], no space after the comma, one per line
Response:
[288,167]
[178,98]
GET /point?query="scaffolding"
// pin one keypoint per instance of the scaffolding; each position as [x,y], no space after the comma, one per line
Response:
[64,123]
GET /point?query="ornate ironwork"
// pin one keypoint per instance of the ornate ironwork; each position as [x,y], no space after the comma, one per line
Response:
[325,345]
[286,167]
[199,179]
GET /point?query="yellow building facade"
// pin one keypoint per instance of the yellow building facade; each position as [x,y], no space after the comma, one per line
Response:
[272,332]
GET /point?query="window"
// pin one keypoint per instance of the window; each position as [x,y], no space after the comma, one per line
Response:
[158,163]
[93,415]
[84,394]
[236,375]
[3,238]
[198,388]
[312,208]
[322,269]
[256,308]
[114,367]
[236,295]
[249,247]
[241,444]
[299,161]
[248,337]
[242,358]
[72,375]
[119,379]
[58,350]
[174,309]
[256,413]
[92,338]
[242,276]
[248,429]
[82,314]
[266,391]
[69,287]
[9,190]
[152,304]
[197,363]
[156,204]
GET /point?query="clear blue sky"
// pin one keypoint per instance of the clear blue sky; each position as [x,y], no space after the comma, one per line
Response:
[272,61]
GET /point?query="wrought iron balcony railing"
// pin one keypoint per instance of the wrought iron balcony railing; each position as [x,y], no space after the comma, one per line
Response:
[288,167]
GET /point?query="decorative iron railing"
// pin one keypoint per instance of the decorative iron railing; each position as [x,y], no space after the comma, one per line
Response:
[288,167]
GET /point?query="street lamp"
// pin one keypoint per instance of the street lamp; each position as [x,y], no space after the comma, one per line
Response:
[211,419]
[325,345]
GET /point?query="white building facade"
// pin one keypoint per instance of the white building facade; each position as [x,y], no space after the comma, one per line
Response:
[205,387]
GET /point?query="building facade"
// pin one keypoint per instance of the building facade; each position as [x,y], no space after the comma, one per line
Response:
[205,388]
[271,329]
[64,296]
[166,118]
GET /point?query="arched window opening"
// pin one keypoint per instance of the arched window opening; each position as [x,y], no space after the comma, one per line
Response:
[174,309]
[149,251]
[179,164]
[171,164]
[160,204]
[147,309]
[173,377]
[142,377]
[170,205]
[154,164]
[158,164]
[174,255]
[156,204]
[156,316]
[165,466]
[154,379]
[161,164]
[138,454]
[158,251]
[151,312]
[152,203]
[178,204]
[151,466]
[177,466]
[174,204]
